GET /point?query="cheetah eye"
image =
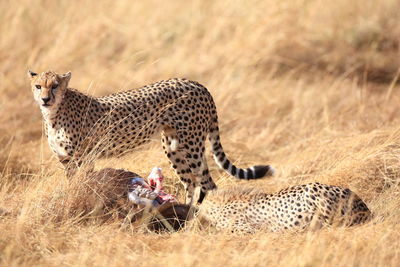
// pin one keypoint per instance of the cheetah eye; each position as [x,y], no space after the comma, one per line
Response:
[38,86]
[54,86]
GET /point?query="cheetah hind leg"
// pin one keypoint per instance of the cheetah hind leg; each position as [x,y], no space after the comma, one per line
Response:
[173,150]
[197,162]
[198,166]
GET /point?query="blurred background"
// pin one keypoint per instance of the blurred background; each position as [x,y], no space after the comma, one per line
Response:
[258,58]
[308,86]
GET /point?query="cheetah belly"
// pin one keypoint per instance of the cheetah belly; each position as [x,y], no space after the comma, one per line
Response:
[54,137]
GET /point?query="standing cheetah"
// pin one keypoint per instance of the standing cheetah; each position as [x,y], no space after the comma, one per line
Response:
[79,125]
[296,208]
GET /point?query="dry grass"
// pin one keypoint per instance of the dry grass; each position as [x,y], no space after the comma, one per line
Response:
[307,86]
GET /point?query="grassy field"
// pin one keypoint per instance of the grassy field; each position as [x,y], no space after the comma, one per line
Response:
[310,87]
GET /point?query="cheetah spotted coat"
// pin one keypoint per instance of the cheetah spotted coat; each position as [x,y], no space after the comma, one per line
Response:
[80,127]
[296,208]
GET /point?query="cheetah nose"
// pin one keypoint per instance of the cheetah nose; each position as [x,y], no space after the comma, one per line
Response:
[45,99]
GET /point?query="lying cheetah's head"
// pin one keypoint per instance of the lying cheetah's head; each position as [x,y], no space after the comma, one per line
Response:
[48,87]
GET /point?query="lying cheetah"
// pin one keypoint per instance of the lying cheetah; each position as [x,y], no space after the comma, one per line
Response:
[241,210]
[295,208]
[79,125]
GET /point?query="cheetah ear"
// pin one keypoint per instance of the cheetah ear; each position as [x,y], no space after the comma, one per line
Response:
[31,74]
[66,77]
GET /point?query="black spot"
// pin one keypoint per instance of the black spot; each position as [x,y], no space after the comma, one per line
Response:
[233,171]
[261,170]
[226,164]
[250,174]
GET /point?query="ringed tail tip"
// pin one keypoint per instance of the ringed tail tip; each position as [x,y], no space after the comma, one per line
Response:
[263,170]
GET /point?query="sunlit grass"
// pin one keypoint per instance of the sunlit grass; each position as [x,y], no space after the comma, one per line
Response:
[310,87]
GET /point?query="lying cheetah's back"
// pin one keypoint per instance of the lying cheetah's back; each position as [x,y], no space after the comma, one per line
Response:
[297,207]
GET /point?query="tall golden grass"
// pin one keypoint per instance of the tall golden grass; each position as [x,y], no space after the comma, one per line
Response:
[310,87]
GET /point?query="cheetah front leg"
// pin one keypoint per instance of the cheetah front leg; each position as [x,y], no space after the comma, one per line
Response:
[173,150]
[71,166]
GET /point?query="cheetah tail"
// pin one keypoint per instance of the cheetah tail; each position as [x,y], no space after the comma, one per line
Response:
[223,162]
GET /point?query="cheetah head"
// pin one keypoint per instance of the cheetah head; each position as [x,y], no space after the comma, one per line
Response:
[48,87]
